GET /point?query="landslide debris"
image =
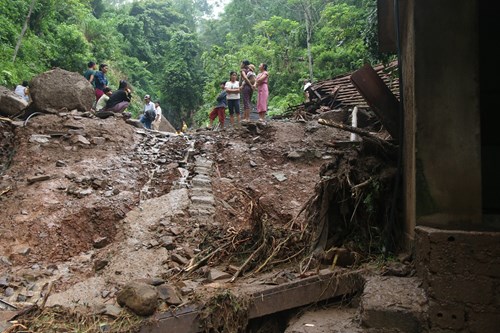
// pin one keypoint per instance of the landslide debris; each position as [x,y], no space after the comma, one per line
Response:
[94,204]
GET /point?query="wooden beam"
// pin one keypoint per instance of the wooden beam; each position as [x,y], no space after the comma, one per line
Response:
[379,97]
[267,299]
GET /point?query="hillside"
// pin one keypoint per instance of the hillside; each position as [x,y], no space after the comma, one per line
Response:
[91,205]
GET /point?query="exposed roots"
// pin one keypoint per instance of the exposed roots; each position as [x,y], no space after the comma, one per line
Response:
[352,204]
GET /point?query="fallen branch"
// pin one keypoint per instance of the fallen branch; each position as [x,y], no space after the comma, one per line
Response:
[275,251]
[6,119]
[240,269]
[368,138]
[46,296]
[366,182]
[356,130]
[200,262]
[289,258]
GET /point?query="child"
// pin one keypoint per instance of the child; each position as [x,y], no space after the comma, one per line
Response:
[101,103]
[220,107]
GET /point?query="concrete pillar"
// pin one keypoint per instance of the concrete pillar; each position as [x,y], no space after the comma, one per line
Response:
[442,116]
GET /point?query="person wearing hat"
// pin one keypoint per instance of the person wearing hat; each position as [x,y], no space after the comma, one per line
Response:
[149,112]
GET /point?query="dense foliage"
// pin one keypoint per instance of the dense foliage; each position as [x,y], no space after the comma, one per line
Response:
[175,51]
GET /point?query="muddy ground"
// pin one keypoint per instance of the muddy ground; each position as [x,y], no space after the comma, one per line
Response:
[90,204]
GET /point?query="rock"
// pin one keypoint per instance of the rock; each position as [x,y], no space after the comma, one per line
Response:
[168,294]
[10,103]
[39,138]
[4,281]
[139,297]
[165,126]
[22,250]
[60,164]
[100,264]
[108,309]
[135,123]
[253,164]
[168,242]
[8,292]
[179,259]
[98,140]
[35,179]
[100,242]
[215,275]
[57,89]
[279,176]
[80,139]
[294,155]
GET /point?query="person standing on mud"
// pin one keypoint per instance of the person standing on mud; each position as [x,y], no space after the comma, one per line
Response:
[100,81]
[233,98]
[247,80]
[262,91]
[149,112]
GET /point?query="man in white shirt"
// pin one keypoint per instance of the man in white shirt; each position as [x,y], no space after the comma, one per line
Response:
[149,112]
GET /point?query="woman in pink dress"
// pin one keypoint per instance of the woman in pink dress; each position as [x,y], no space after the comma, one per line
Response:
[262,91]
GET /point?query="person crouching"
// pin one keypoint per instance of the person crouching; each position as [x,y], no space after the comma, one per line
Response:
[220,107]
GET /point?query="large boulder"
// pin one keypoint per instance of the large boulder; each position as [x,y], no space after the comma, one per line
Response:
[165,125]
[11,104]
[58,89]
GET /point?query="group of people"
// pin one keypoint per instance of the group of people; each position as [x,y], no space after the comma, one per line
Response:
[234,90]
[106,99]
[117,101]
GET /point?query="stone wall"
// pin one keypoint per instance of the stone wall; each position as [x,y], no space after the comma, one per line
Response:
[460,271]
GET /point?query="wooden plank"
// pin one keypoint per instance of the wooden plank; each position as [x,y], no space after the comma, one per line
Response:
[379,97]
[268,300]
[296,294]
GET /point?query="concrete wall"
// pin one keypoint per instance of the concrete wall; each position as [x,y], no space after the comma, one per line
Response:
[460,271]
[446,112]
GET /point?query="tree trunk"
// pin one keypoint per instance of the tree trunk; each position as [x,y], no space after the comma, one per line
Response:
[23,31]
[309,29]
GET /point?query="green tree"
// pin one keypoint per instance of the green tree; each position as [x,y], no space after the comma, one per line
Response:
[182,76]
[339,46]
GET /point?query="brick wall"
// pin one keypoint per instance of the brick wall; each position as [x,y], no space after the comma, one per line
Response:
[460,271]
